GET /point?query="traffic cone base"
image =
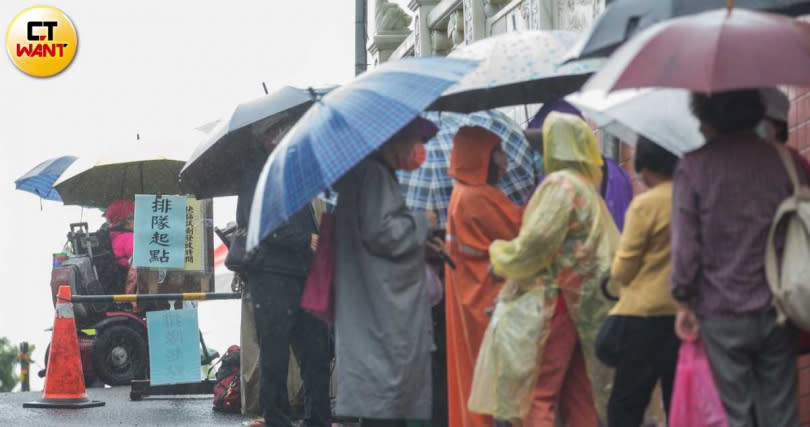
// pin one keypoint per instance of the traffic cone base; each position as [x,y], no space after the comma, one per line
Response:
[64,403]
[64,379]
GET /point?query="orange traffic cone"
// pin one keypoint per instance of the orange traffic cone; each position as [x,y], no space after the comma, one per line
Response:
[64,379]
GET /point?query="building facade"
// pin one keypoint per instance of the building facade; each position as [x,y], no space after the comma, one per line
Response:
[437,27]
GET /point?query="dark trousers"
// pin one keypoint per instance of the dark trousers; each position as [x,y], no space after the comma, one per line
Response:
[439,367]
[281,323]
[753,362]
[648,354]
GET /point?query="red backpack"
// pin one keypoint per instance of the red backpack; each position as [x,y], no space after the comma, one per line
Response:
[227,390]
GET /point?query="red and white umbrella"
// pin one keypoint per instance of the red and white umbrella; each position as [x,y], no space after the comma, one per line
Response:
[222,276]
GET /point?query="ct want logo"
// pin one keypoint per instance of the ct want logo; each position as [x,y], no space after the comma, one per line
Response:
[41,41]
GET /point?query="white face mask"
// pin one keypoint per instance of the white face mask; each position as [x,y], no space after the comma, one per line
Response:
[761,130]
[766,131]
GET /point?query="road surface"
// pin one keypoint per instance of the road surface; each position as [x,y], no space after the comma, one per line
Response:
[118,411]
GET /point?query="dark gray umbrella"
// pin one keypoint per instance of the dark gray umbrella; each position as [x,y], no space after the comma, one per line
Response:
[624,18]
[232,147]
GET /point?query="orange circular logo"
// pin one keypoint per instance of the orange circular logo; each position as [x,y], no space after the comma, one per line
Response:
[41,41]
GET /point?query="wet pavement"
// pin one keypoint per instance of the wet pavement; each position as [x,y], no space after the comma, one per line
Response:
[118,411]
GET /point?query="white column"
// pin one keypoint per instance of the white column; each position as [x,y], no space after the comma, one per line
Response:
[475,21]
[422,41]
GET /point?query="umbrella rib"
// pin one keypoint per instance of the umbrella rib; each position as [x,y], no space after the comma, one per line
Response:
[716,53]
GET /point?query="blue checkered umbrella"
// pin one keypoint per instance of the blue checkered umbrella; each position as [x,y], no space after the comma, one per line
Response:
[341,129]
[429,187]
[40,179]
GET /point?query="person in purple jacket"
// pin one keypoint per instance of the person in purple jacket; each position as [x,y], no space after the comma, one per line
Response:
[616,188]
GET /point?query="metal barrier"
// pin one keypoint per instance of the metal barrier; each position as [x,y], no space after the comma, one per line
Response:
[142,388]
[191,296]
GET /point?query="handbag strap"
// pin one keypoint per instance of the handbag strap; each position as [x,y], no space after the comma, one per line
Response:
[788,206]
[790,166]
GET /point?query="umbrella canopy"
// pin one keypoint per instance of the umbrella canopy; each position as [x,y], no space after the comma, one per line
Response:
[712,52]
[232,146]
[341,129]
[429,187]
[105,181]
[41,178]
[661,115]
[516,68]
[624,18]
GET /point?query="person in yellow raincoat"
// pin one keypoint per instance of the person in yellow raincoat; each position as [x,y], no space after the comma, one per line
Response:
[563,251]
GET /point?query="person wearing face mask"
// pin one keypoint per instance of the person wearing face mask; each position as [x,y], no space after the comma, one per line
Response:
[774,126]
[383,326]
[479,213]
[435,261]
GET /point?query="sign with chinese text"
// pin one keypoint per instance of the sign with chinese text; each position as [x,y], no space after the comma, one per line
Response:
[174,346]
[160,231]
[195,231]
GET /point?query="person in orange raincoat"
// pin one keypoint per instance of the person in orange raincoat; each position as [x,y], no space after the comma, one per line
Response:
[479,213]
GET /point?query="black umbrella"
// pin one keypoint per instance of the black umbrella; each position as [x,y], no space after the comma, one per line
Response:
[233,149]
[624,18]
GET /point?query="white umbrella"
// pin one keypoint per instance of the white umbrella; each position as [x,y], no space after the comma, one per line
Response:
[661,115]
[516,68]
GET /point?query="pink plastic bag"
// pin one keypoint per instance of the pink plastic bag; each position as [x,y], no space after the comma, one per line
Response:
[318,296]
[695,402]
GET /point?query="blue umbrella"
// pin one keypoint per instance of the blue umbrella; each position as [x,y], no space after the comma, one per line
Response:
[40,179]
[341,129]
[429,187]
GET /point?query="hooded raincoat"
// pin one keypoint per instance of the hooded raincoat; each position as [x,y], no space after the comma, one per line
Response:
[383,325]
[564,249]
[478,214]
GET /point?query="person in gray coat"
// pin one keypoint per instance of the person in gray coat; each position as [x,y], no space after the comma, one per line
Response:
[383,331]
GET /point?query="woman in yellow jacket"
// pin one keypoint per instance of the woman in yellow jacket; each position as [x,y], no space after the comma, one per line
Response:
[564,249]
[645,314]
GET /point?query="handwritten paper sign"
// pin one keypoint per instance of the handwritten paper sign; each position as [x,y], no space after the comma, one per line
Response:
[160,231]
[194,244]
[174,346]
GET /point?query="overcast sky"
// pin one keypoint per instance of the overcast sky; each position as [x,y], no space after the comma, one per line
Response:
[151,67]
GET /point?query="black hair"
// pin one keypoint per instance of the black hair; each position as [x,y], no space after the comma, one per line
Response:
[652,157]
[730,111]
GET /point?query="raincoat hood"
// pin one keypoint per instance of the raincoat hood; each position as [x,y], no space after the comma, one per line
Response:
[569,144]
[471,155]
